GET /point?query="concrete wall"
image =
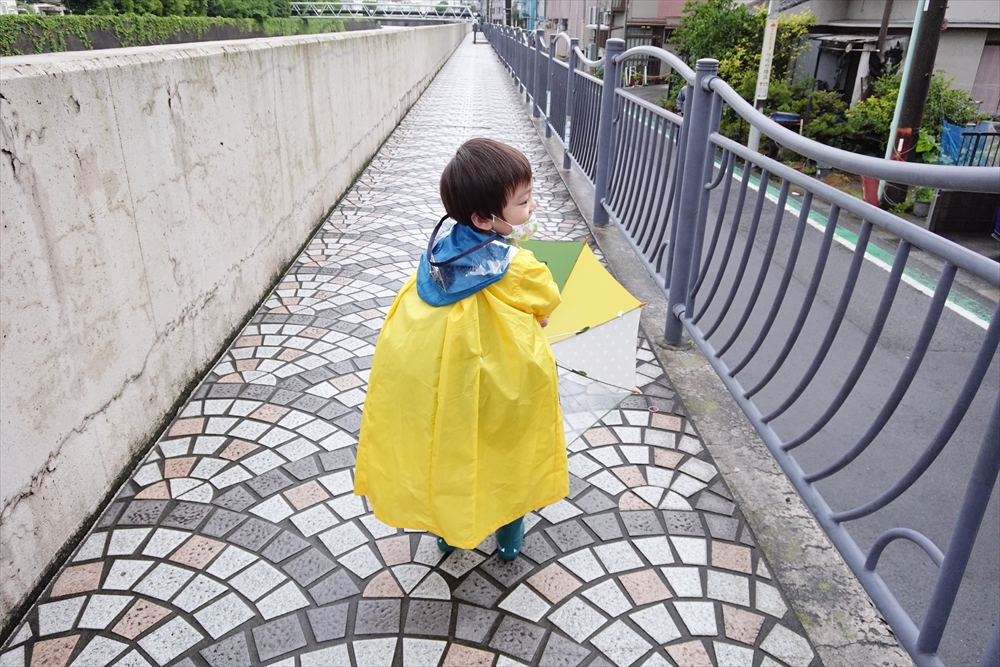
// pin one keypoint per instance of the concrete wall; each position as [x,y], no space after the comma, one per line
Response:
[150,197]
[959,53]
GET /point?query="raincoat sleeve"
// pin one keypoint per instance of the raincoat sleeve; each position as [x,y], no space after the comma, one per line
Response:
[531,288]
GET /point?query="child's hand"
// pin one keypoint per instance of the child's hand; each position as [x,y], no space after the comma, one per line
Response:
[543,322]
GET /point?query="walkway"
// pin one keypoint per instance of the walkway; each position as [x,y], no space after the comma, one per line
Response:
[238,540]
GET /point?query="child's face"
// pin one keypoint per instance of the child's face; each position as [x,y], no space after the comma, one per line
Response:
[517,210]
[519,207]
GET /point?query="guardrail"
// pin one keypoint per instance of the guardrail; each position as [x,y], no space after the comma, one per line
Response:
[657,175]
[382,10]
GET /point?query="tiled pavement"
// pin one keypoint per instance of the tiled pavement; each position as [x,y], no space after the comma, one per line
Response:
[238,540]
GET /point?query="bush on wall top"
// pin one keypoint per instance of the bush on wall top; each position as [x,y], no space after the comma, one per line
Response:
[24,34]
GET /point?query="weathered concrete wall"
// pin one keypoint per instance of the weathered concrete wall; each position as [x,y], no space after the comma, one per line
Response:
[149,198]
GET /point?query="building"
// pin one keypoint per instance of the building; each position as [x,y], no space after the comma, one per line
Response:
[839,53]
[593,22]
[846,32]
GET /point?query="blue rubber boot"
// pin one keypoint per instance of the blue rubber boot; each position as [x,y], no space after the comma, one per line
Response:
[509,539]
[444,546]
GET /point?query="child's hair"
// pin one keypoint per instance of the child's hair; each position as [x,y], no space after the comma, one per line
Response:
[481,177]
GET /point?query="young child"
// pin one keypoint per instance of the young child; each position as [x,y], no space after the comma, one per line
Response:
[462,433]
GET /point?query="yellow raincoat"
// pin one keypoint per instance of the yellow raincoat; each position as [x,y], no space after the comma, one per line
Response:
[462,431]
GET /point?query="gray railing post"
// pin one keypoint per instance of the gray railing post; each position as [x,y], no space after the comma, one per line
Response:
[570,99]
[548,86]
[536,78]
[686,221]
[527,70]
[515,43]
[605,127]
[515,57]
[713,126]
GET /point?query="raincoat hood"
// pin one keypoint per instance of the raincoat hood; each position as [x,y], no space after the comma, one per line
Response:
[460,262]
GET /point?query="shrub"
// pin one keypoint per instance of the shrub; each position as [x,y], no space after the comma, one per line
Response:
[29,33]
[869,121]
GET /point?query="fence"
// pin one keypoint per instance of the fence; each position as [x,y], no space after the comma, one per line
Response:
[981,149]
[658,175]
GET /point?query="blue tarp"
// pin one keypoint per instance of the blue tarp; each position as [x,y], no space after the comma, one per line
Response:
[951,141]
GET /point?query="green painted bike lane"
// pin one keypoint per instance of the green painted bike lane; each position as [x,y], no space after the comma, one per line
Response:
[962,305]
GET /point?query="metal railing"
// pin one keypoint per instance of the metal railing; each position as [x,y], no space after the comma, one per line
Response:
[382,10]
[979,149]
[658,176]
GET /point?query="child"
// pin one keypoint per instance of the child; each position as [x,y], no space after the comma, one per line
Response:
[462,433]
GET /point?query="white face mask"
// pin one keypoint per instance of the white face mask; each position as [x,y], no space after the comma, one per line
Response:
[520,233]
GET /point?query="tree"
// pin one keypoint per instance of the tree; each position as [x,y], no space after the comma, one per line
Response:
[732,34]
[714,29]
[869,120]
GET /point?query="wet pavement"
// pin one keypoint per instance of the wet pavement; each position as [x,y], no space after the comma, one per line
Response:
[238,539]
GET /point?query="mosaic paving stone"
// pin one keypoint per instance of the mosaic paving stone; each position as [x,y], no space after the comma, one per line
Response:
[506,572]
[426,617]
[278,637]
[77,579]
[473,624]
[517,638]
[577,618]
[561,652]
[230,652]
[537,548]
[605,526]
[309,567]
[621,644]
[328,622]
[241,524]
[284,546]
[335,587]
[569,536]
[377,617]
[477,590]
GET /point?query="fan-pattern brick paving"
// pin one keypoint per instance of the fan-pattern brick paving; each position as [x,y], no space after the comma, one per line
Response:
[238,540]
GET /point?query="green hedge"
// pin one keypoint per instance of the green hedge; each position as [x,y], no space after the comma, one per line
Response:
[27,33]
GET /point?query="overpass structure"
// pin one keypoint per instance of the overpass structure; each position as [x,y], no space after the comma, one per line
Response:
[408,11]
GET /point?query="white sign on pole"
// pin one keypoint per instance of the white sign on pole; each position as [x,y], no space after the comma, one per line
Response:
[766,53]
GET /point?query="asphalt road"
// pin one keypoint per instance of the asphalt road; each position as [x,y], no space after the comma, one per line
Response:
[931,504]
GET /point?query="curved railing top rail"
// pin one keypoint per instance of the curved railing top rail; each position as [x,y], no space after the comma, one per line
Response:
[541,45]
[582,57]
[679,65]
[965,179]
[566,38]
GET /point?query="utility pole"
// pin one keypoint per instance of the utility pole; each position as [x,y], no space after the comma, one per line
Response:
[764,72]
[913,91]
[884,27]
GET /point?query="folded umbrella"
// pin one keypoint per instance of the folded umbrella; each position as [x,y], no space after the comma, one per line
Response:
[592,332]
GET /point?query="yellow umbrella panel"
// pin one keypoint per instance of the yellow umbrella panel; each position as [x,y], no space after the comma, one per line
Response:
[592,333]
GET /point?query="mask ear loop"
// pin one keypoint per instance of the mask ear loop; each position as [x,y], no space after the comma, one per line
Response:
[430,246]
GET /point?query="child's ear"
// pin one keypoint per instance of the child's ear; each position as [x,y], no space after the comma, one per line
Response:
[485,224]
